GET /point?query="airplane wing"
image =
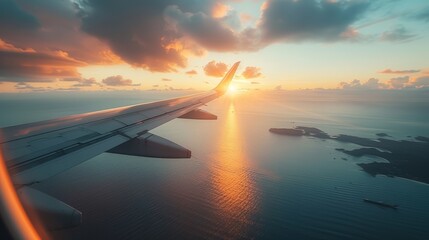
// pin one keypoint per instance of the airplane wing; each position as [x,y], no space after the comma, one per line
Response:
[36,151]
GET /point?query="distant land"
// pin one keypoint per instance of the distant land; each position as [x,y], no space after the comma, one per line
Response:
[406,158]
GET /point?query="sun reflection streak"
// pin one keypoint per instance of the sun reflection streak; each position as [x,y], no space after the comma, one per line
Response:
[12,212]
[234,191]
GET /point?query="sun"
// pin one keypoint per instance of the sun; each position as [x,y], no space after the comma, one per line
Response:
[232,89]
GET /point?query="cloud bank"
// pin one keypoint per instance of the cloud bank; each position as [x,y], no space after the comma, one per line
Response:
[161,35]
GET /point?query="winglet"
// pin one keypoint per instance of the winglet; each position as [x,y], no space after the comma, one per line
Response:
[223,85]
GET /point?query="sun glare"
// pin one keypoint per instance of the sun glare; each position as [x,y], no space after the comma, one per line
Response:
[13,213]
[232,89]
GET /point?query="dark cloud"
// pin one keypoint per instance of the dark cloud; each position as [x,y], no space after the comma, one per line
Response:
[160,35]
[251,72]
[14,18]
[397,35]
[207,31]
[390,71]
[137,31]
[215,69]
[118,81]
[191,72]
[291,20]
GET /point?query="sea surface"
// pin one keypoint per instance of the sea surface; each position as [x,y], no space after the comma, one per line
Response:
[242,181]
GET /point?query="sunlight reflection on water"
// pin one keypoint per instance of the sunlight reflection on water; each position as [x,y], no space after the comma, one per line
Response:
[233,187]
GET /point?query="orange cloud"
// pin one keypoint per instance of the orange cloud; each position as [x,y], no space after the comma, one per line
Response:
[251,72]
[7,47]
[215,69]
[17,64]
[220,10]
[390,71]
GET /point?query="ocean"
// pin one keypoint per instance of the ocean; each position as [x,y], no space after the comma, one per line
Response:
[243,182]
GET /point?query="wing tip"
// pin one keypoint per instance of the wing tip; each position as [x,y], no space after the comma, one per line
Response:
[223,85]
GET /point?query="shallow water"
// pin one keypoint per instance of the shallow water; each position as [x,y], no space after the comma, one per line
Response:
[242,182]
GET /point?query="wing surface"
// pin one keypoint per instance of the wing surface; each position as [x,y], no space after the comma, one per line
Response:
[36,151]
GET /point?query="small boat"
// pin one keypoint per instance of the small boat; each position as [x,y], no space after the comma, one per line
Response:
[380,203]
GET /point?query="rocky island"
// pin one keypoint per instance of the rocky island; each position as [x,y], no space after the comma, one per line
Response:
[406,158]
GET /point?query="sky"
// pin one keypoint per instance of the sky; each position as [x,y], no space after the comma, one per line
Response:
[99,45]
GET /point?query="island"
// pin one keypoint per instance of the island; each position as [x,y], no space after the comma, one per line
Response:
[382,134]
[406,158]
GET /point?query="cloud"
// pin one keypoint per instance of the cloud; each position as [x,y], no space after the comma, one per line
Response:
[27,86]
[251,72]
[397,35]
[67,89]
[278,88]
[82,82]
[421,82]
[255,82]
[399,82]
[118,81]
[191,72]
[14,18]
[166,80]
[24,86]
[161,35]
[27,65]
[51,25]
[138,32]
[207,31]
[215,69]
[7,47]
[315,20]
[390,71]
[179,89]
[371,84]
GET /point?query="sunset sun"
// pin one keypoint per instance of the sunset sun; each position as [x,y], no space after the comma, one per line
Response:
[232,89]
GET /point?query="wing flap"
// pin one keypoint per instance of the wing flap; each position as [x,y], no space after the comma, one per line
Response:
[199,115]
[150,145]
